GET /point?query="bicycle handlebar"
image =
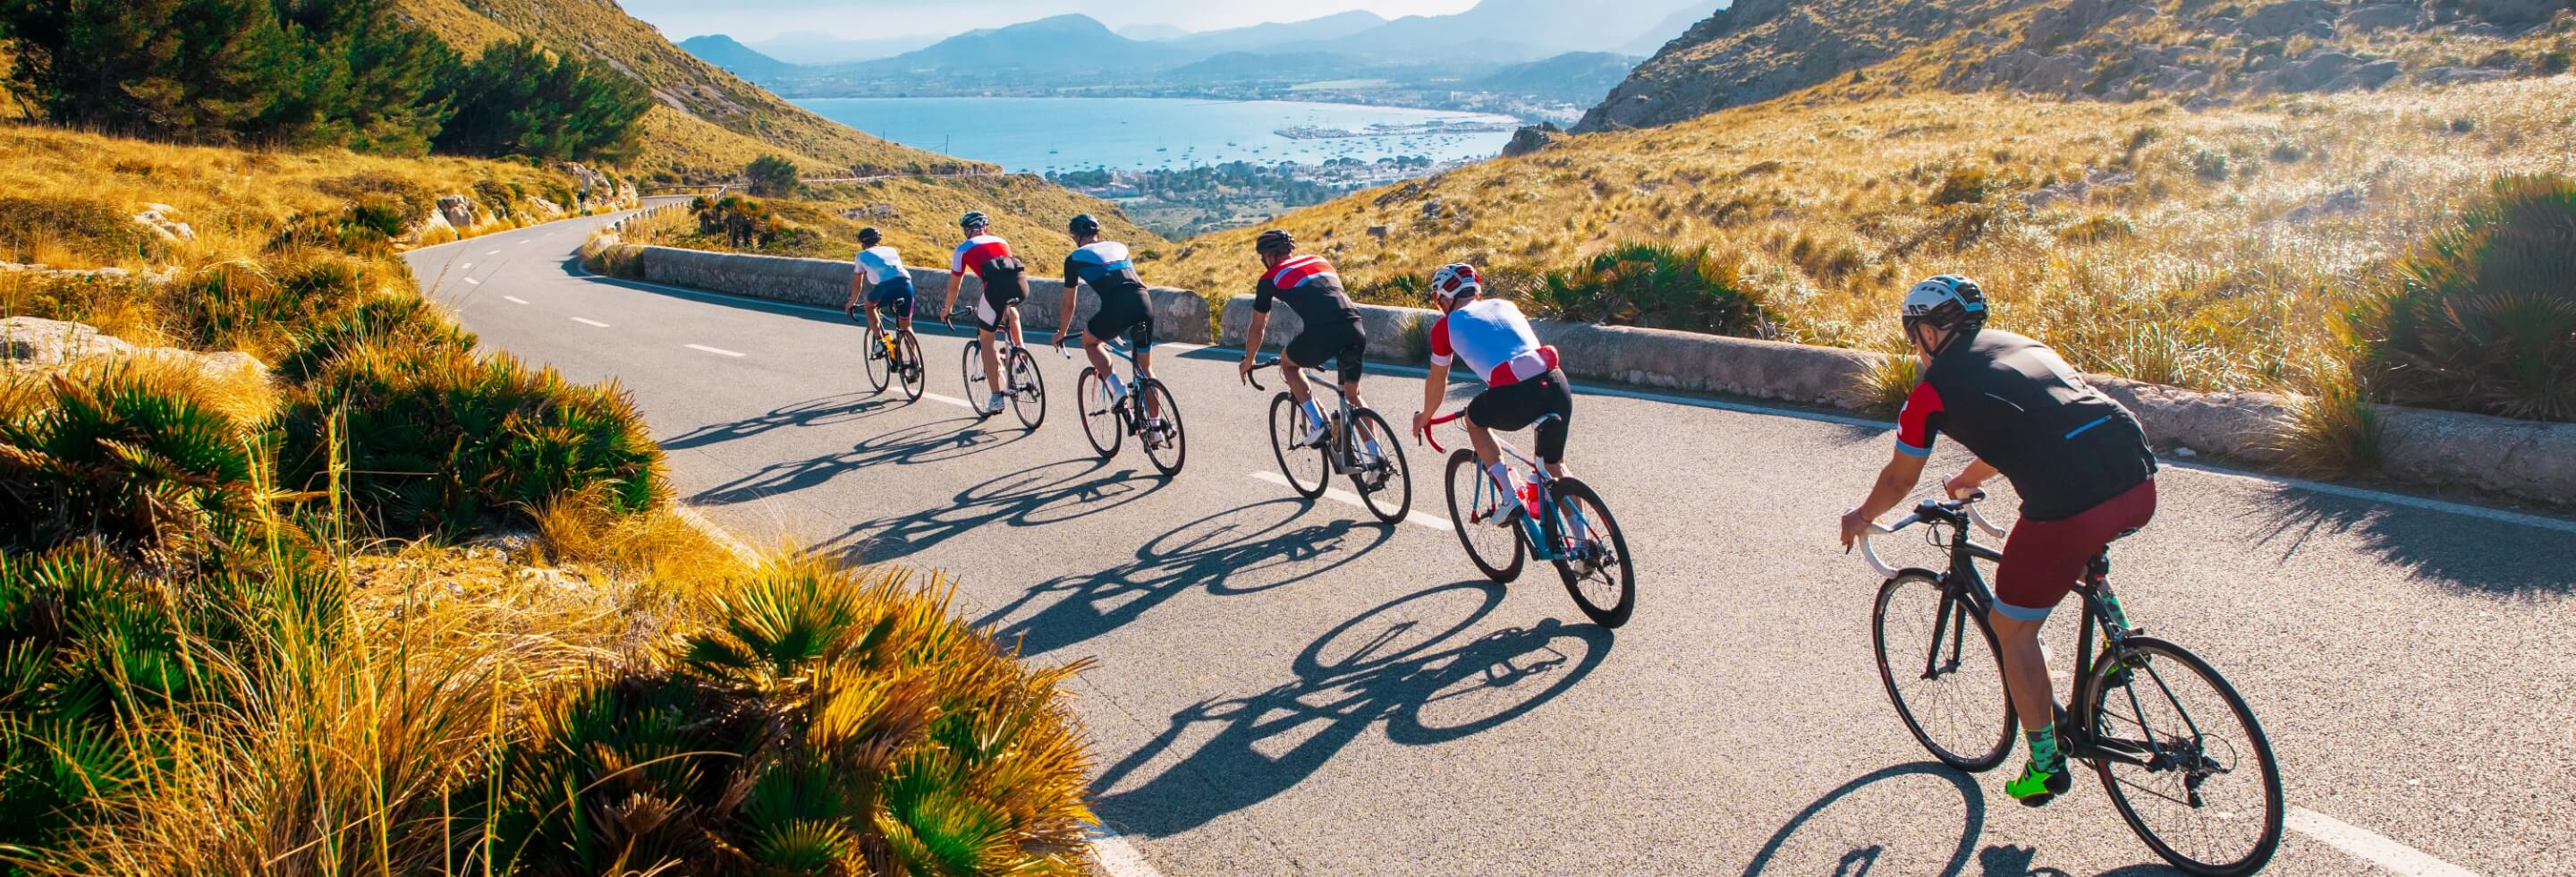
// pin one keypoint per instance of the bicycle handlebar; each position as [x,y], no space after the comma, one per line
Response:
[1946,511]
[1426,435]
[1256,370]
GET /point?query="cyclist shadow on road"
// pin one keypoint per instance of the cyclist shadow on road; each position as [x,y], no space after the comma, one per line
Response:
[1401,666]
[1242,550]
[820,411]
[1048,493]
[1842,833]
[933,442]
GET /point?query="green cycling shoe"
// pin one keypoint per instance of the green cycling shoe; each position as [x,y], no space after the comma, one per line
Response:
[2035,787]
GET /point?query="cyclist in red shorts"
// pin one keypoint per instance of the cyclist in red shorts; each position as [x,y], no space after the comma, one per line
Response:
[2078,459]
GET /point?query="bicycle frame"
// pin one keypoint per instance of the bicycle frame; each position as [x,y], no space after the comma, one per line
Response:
[1535,530]
[1132,409]
[1345,452]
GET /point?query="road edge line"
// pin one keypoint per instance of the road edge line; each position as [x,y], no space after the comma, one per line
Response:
[2370,846]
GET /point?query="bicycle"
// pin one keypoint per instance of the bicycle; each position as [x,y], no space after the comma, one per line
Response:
[1575,530]
[2178,762]
[1108,425]
[1346,431]
[892,357]
[1021,380]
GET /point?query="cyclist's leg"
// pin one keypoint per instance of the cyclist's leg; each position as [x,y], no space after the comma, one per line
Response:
[2041,563]
[988,321]
[1556,397]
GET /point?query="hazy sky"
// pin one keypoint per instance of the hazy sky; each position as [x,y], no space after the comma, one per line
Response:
[760,19]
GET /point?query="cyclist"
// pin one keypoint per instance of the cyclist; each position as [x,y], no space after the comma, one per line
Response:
[1125,309]
[2078,459]
[1005,285]
[1332,329]
[1522,382]
[880,281]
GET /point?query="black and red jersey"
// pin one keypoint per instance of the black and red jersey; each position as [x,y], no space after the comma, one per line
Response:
[2015,404]
[1312,290]
[985,255]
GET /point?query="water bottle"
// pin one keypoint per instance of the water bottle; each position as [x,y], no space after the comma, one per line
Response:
[1529,498]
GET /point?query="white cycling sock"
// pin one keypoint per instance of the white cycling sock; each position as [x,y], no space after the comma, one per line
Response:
[1503,477]
[1117,388]
[1314,414]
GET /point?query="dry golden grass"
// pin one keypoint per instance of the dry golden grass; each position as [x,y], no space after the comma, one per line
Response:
[2163,267]
[1026,211]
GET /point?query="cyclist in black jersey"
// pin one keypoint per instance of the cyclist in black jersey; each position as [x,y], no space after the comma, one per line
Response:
[1331,326]
[2079,460]
[1125,308]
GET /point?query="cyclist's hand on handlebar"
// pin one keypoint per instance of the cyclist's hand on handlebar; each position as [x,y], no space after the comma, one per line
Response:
[1243,371]
[1421,425]
[1959,487]
[1853,526]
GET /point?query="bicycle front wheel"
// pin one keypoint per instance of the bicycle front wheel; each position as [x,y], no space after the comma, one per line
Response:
[1166,446]
[1028,389]
[1305,467]
[908,366]
[2184,760]
[872,353]
[1482,515]
[1938,658]
[1384,479]
[1099,413]
[1591,554]
[972,369]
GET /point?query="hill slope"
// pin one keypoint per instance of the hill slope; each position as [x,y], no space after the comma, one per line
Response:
[734,57]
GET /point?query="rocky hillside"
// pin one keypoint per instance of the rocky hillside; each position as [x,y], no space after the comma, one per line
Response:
[2209,50]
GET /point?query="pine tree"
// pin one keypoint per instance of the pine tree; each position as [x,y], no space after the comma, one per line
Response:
[519,100]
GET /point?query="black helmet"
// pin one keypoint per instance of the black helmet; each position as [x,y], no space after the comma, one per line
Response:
[1083,224]
[1274,241]
[868,237]
[974,219]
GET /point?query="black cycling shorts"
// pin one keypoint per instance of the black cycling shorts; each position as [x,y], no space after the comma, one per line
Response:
[1123,314]
[1320,344]
[1513,407]
[1001,292]
[894,297]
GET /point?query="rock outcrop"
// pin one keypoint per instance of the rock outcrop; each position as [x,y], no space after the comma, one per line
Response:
[42,344]
[1533,138]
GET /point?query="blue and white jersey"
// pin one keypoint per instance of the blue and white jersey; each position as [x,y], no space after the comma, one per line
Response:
[1106,266]
[881,264]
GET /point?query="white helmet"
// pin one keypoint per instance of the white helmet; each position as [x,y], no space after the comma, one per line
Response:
[1455,280]
[1946,302]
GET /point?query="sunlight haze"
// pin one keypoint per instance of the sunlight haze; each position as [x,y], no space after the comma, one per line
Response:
[750,20]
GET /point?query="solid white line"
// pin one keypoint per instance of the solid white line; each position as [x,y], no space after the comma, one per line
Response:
[719,351]
[2396,499]
[1345,497]
[589,322]
[952,400]
[2370,846]
[1118,857]
[515,299]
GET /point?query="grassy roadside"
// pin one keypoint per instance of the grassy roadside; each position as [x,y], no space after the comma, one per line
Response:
[916,216]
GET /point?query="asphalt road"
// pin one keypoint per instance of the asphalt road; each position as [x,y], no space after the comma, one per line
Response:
[1289,687]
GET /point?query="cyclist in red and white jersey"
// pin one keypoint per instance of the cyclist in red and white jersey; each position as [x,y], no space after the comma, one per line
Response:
[1523,384]
[1005,285]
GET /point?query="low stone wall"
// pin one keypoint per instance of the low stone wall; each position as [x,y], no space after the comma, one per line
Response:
[1179,315]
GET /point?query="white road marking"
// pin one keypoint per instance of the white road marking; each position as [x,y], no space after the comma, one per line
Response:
[589,322]
[719,351]
[515,299]
[2370,846]
[493,253]
[473,281]
[1118,857]
[469,266]
[952,400]
[1345,497]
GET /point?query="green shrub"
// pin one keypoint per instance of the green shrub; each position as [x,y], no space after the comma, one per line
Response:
[2098,229]
[825,723]
[89,229]
[82,646]
[2209,164]
[395,321]
[242,305]
[1967,185]
[121,460]
[439,440]
[1654,285]
[2483,316]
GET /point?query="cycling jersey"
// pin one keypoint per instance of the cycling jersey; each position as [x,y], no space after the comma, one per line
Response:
[1312,290]
[987,256]
[2010,400]
[1104,265]
[1494,339]
[882,264]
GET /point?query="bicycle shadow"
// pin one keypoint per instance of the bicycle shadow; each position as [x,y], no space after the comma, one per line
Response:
[921,444]
[1025,498]
[819,411]
[1395,666]
[1864,853]
[1216,552]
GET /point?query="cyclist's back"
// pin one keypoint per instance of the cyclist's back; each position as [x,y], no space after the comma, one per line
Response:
[1106,267]
[1495,341]
[990,259]
[2014,403]
[1329,324]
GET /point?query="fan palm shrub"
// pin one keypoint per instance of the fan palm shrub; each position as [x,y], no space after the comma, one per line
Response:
[123,460]
[2483,314]
[1657,286]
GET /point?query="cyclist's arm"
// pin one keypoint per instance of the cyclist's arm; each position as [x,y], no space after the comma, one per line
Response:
[1252,335]
[858,289]
[1903,471]
[1072,290]
[1971,478]
[956,281]
[1435,384]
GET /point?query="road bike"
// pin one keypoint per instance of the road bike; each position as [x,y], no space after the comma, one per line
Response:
[1107,422]
[1021,382]
[1573,530]
[2182,756]
[893,357]
[1382,478]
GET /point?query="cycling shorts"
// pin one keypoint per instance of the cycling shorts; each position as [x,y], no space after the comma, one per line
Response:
[1320,344]
[1123,314]
[894,297]
[1001,292]
[1513,407]
[2044,559]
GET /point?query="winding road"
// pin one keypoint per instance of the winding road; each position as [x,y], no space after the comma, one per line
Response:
[1288,687]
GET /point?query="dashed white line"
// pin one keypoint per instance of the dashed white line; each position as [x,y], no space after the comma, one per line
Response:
[589,322]
[719,351]
[515,299]
[2371,846]
[1345,497]
[474,281]
[951,400]
[469,266]
[493,253]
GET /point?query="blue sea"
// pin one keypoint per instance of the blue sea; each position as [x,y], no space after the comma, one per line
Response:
[1070,134]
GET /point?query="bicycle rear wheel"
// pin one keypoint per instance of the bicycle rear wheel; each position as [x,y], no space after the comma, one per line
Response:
[1305,467]
[1591,554]
[1028,398]
[1938,658]
[1384,479]
[972,370]
[872,353]
[1481,514]
[2185,761]
[909,367]
[1169,449]
[1100,420]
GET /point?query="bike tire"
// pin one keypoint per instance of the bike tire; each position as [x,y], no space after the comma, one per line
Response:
[2148,681]
[913,373]
[1174,449]
[1288,424]
[874,361]
[1029,400]
[972,369]
[1390,498]
[1103,421]
[1470,493]
[1602,549]
[1958,707]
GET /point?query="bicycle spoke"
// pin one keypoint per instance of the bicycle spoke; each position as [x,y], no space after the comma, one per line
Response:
[2205,797]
